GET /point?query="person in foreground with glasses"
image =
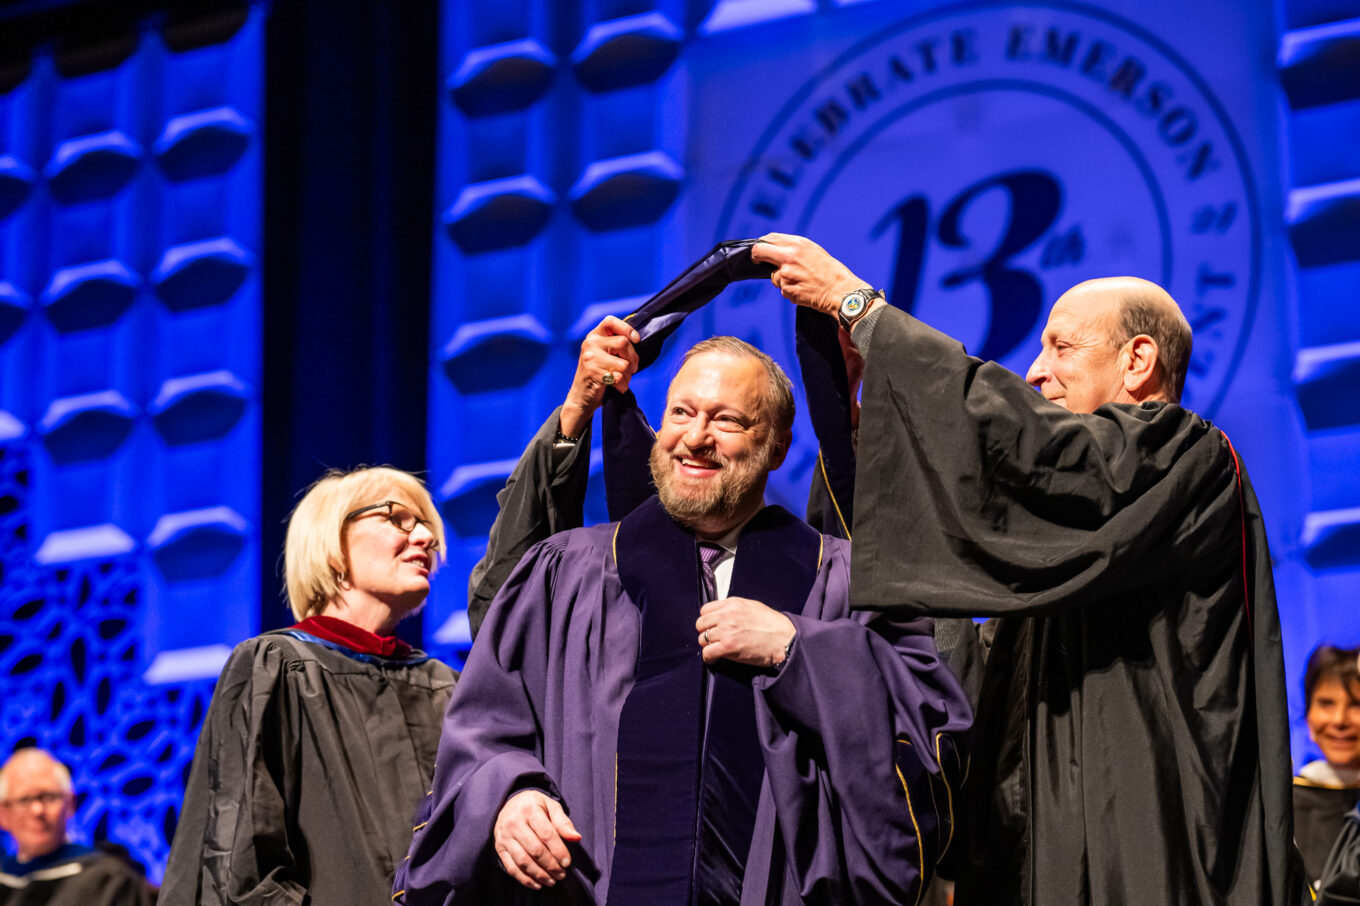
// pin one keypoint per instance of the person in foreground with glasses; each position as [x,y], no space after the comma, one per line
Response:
[321,737]
[36,802]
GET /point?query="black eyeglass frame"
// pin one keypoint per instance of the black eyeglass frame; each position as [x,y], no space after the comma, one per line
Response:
[46,799]
[391,517]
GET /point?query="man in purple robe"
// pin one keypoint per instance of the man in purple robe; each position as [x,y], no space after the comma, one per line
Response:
[679,708]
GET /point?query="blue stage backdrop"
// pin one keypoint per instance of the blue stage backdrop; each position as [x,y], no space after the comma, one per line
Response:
[973,159]
[130,191]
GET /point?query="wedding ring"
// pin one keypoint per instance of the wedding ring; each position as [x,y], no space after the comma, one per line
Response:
[706,641]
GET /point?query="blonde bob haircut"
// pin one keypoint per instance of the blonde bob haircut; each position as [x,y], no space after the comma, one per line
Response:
[314,559]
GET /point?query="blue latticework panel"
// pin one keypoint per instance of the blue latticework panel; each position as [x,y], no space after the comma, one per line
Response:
[130,351]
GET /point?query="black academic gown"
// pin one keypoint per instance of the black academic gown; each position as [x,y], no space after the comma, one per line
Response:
[1319,814]
[544,495]
[1340,884]
[74,875]
[1132,738]
[309,767]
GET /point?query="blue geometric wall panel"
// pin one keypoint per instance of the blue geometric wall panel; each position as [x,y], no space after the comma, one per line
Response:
[499,214]
[1319,60]
[87,426]
[628,191]
[199,274]
[86,296]
[1321,65]
[92,166]
[474,360]
[587,152]
[469,497]
[199,407]
[130,370]
[1332,538]
[203,142]
[1325,379]
[16,181]
[499,79]
[633,50]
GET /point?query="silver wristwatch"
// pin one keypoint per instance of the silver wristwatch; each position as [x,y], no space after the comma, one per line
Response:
[856,304]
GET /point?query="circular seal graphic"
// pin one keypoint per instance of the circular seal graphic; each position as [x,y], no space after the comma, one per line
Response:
[977,161]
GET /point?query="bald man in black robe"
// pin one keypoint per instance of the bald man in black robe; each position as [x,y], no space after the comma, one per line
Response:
[1132,731]
[47,869]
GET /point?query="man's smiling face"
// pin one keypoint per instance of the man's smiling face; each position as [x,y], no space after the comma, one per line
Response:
[714,448]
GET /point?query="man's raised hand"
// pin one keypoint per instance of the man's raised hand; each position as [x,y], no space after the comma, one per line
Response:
[805,272]
[606,350]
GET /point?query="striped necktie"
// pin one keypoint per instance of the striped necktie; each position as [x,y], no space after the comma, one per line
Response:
[709,555]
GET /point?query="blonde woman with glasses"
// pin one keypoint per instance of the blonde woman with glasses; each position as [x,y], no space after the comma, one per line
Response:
[321,737]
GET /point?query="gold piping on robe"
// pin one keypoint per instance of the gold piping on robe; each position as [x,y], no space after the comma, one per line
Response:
[1313,784]
[840,517]
[920,846]
[949,793]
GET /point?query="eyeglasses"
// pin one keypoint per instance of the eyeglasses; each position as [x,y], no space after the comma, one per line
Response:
[45,799]
[397,514]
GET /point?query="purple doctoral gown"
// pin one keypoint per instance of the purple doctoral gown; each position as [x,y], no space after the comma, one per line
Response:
[860,733]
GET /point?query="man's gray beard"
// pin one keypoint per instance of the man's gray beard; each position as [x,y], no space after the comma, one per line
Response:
[722,501]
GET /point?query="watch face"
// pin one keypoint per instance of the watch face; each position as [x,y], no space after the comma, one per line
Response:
[852,305]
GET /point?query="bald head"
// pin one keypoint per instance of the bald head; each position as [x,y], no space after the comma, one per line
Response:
[1113,340]
[1145,309]
[34,760]
[35,802]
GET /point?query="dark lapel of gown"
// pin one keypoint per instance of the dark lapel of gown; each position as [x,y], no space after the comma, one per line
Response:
[689,765]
